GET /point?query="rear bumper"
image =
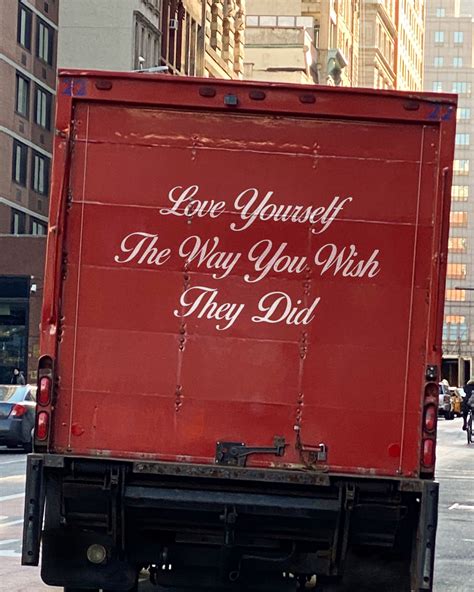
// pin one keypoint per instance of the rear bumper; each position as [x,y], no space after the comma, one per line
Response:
[213,519]
[11,431]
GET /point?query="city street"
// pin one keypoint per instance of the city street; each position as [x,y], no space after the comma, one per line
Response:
[454,565]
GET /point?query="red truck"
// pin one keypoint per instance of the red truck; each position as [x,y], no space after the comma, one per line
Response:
[241,336]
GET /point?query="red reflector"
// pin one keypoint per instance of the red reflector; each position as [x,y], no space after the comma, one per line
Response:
[431,389]
[430,418]
[44,391]
[42,425]
[428,452]
[18,411]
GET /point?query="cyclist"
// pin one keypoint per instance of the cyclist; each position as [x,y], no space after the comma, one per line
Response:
[469,390]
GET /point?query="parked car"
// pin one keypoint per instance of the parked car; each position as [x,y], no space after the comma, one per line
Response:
[17,415]
[457,395]
[445,407]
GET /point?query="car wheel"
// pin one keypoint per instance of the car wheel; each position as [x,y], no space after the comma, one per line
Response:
[28,447]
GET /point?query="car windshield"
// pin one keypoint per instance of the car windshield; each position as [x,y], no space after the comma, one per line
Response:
[12,393]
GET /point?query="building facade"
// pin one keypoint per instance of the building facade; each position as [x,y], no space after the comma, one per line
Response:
[279,42]
[410,46]
[449,68]
[337,30]
[28,41]
[392,44]
[378,44]
[369,43]
[223,43]
[189,37]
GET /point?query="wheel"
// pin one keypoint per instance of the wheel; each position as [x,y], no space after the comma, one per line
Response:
[80,590]
[28,447]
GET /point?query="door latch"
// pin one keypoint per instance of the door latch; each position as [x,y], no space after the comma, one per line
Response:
[236,453]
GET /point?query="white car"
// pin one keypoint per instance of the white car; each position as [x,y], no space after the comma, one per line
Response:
[445,407]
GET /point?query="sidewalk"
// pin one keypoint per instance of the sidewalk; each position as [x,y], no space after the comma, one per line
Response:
[15,577]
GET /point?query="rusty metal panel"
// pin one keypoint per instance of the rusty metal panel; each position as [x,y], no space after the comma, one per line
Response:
[240,275]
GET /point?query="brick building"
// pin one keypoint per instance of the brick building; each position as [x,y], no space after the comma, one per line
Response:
[28,38]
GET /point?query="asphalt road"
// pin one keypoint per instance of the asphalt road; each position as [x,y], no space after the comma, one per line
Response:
[455,542]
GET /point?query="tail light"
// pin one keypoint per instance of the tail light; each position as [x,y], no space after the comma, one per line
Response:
[45,400]
[431,389]
[44,391]
[18,411]
[428,458]
[431,414]
[430,420]
[42,425]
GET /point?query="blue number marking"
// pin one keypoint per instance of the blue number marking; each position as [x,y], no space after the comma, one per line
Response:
[435,113]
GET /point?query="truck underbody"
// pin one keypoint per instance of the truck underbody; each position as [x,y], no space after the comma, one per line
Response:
[225,528]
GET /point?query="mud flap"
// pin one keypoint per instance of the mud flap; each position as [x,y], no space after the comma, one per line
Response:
[426,537]
[34,510]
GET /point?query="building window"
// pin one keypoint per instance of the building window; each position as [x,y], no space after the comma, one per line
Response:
[43,102]
[437,86]
[40,174]
[462,88]
[146,44]
[457,62]
[18,222]
[191,49]
[462,140]
[463,113]
[461,167]
[440,12]
[38,228]
[456,295]
[460,192]
[22,95]
[20,163]
[457,244]
[458,37]
[455,328]
[458,219]
[25,21]
[14,305]
[44,42]
[438,62]
[175,38]
[215,24]
[456,271]
[439,36]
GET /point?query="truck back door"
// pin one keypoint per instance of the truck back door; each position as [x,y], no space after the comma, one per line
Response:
[265,272]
